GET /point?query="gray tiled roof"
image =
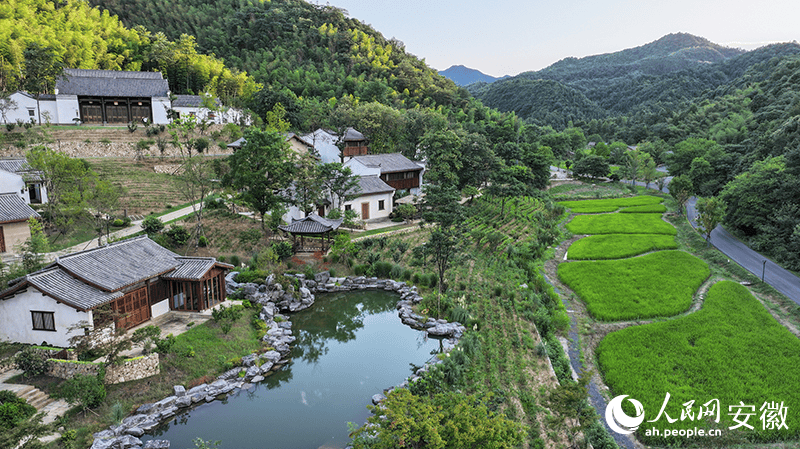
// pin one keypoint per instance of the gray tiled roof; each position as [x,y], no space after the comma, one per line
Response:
[388,163]
[351,135]
[60,285]
[313,224]
[13,209]
[189,101]
[20,166]
[115,266]
[370,185]
[112,83]
[191,268]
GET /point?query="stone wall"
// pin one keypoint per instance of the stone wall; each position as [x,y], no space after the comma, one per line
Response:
[113,149]
[131,369]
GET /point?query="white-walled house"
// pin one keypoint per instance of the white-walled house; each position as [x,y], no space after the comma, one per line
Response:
[14,229]
[98,97]
[324,141]
[394,169]
[136,277]
[192,106]
[374,199]
[18,177]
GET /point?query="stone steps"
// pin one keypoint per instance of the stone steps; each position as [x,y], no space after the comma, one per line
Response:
[35,397]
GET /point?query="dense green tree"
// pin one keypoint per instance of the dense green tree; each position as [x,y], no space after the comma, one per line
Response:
[710,212]
[592,166]
[260,169]
[43,66]
[680,188]
[509,182]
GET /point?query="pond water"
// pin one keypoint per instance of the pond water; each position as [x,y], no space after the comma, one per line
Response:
[349,347]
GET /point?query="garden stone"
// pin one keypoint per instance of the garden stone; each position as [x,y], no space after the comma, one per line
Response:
[249,360]
[252,372]
[270,279]
[183,401]
[378,398]
[166,402]
[156,444]
[322,277]
[179,390]
[127,441]
[134,420]
[168,413]
[135,431]
[272,356]
[145,408]
[250,289]
[257,379]
[197,389]
[266,367]
[198,397]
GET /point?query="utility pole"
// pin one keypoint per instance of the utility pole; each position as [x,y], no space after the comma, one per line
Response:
[763,269]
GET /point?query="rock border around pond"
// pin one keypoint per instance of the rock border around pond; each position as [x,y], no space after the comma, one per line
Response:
[273,298]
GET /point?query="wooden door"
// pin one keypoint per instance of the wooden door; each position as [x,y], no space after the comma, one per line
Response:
[135,307]
[2,240]
[91,113]
[365,211]
[116,113]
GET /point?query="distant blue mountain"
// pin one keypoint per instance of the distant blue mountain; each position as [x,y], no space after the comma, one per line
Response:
[464,76]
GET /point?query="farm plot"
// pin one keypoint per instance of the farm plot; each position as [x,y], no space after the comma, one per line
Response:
[609,205]
[731,350]
[618,246]
[654,285]
[645,209]
[620,224]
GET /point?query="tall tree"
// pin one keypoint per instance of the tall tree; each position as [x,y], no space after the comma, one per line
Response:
[260,169]
[43,66]
[509,182]
[710,212]
[680,188]
[308,186]
[340,183]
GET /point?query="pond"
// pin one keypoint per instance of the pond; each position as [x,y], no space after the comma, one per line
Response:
[349,347]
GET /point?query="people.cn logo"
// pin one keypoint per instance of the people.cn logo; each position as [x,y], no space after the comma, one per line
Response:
[620,422]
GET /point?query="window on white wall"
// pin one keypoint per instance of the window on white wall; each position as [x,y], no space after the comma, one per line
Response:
[31,113]
[43,321]
[381,205]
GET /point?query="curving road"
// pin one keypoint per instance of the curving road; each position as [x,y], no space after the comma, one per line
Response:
[777,277]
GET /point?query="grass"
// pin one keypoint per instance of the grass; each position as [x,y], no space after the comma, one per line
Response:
[608,205]
[620,224]
[145,191]
[380,230]
[731,350]
[654,285]
[645,209]
[619,246]
[593,190]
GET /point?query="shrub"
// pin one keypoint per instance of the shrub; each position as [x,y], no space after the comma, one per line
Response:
[31,361]
[178,235]
[165,344]
[235,261]
[202,242]
[382,269]
[132,126]
[360,269]
[283,249]
[214,204]
[87,391]
[396,272]
[152,225]
[249,275]
[13,409]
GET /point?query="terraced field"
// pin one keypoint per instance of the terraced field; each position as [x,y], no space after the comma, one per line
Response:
[731,353]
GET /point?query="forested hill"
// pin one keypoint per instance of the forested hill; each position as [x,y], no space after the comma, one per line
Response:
[313,51]
[664,75]
[464,76]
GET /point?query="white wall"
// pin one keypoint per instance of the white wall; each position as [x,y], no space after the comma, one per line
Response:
[11,182]
[373,205]
[160,106]
[24,104]
[68,109]
[159,308]
[16,323]
[325,144]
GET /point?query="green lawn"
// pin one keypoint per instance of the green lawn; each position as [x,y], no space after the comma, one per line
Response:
[619,246]
[608,205]
[620,224]
[654,285]
[731,350]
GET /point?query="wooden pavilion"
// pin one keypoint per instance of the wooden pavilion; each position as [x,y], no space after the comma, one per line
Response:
[312,226]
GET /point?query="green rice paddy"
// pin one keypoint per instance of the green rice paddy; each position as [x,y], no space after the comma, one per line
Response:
[608,205]
[620,224]
[619,246]
[731,350]
[660,284]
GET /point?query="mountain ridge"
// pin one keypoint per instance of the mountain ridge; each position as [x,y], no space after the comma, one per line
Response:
[464,76]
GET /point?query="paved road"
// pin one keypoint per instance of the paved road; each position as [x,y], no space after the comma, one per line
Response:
[135,227]
[778,278]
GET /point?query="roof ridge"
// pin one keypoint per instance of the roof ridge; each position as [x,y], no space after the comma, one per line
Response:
[106,246]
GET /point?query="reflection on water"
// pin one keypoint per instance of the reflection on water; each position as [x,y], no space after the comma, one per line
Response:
[349,346]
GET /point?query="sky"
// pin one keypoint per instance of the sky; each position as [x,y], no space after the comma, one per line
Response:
[507,37]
